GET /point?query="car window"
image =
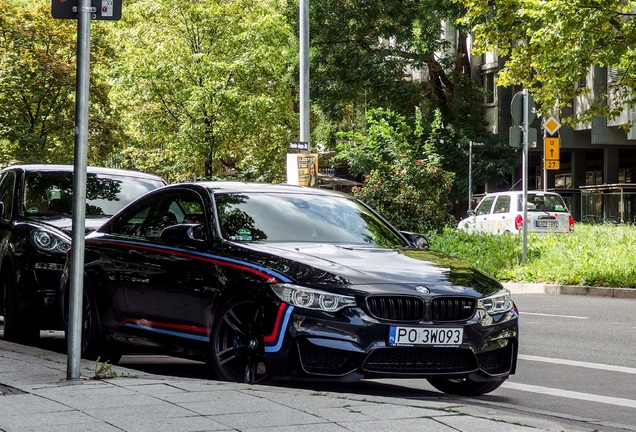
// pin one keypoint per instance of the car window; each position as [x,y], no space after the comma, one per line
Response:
[150,217]
[298,218]
[7,184]
[502,205]
[546,202]
[485,205]
[51,192]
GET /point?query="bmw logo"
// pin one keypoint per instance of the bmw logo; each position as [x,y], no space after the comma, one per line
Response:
[422,289]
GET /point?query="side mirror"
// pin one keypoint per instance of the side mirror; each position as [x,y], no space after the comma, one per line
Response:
[183,234]
[471,212]
[417,240]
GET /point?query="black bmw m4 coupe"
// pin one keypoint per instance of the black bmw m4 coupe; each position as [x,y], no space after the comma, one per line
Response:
[290,282]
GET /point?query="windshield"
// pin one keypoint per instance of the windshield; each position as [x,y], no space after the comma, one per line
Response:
[49,193]
[282,217]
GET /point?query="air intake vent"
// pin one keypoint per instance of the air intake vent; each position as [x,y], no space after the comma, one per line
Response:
[452,308]
[396,308]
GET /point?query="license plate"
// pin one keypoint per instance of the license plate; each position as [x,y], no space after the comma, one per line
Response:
[426,336]
[546,224]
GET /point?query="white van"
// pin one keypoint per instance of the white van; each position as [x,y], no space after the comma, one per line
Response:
[502,212]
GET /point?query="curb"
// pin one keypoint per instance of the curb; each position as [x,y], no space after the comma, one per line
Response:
[552,289]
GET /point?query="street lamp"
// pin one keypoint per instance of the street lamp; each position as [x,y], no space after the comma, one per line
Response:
[470,171]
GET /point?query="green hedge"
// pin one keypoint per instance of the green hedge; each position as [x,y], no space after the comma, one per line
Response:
[592,255]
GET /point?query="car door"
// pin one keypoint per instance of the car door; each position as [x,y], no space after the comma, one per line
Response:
[168,288]
[500,219]
[483,214]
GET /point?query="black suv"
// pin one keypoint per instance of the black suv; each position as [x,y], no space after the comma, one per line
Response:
[35,235]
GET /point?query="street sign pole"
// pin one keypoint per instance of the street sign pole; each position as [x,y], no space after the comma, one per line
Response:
[74,336]
[525,126]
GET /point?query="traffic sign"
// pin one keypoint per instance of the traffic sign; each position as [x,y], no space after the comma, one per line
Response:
[551,125]
[552,164]
[552,149]
[516,109]
[100,9]
[515,137]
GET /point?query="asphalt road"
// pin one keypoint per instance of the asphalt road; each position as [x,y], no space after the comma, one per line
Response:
[577,365]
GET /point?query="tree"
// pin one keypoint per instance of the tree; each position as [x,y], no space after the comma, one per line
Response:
[549,46]
[404,178]
[37,87]
[202,88]
[362,54]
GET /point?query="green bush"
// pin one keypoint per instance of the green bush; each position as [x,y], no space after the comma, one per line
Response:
[592,255]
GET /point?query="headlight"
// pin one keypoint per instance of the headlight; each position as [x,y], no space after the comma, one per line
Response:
[312,299]
[49,242]
[497,303]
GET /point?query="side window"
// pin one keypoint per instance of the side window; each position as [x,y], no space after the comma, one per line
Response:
[502,205]
[7,184]
[484,206]
[150,219]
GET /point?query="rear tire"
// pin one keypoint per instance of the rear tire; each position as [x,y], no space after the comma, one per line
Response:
[465,387]
[94,346]
[17,327]
[237,345]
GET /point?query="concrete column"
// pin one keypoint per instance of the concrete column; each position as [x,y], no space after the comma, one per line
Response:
[578,179]
[610,165]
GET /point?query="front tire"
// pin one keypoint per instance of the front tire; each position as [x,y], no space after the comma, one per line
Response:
[465,387]
[17,327]
[237,344]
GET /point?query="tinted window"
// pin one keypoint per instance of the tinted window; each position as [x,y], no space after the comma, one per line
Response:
[150,217]
[106,194]
[293,217]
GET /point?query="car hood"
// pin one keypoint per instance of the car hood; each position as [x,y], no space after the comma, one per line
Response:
[64,224]
[370,268]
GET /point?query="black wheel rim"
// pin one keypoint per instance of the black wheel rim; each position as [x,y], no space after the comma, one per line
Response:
[238,343]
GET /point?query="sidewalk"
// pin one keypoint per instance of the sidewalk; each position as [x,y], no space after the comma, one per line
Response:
[35,396]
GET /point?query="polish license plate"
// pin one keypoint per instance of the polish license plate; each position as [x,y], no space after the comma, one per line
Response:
[426,336]
[546,224]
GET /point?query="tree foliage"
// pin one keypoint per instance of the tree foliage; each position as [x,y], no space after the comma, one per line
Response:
[405,181]
[550,45]
[37,87]
[202,86]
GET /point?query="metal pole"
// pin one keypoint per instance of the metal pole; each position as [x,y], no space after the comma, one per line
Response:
[304,72]
[524,128]
[545,171]
[470,175]
[74,334]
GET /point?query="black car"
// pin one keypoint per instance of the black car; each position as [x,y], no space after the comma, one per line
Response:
[291,283]
[35,235]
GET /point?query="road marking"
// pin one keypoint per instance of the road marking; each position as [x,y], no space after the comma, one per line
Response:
[588,365]
[552,315]
[571,394]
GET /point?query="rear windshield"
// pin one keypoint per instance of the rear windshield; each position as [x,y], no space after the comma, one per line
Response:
[47,193]
[543,202]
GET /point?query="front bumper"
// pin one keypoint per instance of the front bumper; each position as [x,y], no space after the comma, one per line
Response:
[352,345]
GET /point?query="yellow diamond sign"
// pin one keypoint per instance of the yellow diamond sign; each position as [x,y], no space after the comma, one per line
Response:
[551,125]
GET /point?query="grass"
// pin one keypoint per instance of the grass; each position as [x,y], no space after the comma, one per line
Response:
[592,255]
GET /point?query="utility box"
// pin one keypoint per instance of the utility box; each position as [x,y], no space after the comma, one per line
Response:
[100,9]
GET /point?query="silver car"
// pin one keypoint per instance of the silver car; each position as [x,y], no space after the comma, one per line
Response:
[502,212]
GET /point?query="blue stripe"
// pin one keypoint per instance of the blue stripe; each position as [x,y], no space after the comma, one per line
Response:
[269,271]
[170,332]
[281,332]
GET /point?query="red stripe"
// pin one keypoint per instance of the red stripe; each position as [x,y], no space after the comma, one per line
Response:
[146,323]
[279,319]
